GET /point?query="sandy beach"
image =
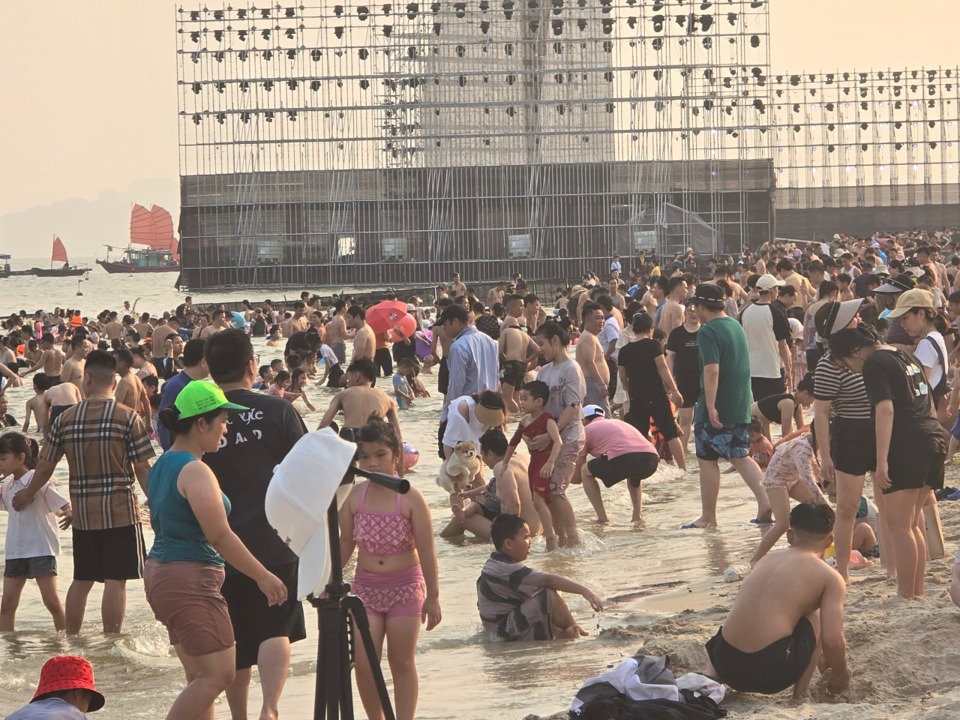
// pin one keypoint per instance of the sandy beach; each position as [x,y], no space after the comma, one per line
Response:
[903,654]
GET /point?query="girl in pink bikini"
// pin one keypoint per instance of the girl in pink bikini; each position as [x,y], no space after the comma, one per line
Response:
[396,573]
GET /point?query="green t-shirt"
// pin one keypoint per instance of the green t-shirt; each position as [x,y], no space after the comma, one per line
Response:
[722,341]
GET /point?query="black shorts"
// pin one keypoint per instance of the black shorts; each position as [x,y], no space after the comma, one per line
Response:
[334,375]
[489,513]
[813,358]
[657,408]
[443,377]
[765,387]
[916,470]
[853,446]
[30,568]
[767,671]
[383,361]
[633,467]
[690,389]
[53,380]
[56,411]
[254,621]
[111,554]
[513,373]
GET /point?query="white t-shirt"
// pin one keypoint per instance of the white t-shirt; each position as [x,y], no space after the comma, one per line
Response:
[33,531]
[764,325]
[329,356]
[927,355]
[460,430]
[610,333]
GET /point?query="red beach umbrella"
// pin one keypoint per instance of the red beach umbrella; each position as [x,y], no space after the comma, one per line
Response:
[390,314]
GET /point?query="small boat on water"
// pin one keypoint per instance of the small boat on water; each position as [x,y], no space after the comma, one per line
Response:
[152,248]
[59,255]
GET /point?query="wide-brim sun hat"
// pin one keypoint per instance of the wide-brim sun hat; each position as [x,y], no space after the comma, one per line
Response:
[203,396]
[838,316]
[68,672]
[911,300]
[489,416]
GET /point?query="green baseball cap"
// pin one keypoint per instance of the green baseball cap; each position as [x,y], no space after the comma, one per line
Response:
[202,396]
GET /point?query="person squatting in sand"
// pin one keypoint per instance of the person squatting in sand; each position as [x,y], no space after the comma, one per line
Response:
[787,612]
[519,603]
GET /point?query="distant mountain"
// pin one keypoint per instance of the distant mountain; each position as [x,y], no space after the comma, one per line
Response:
[84,226]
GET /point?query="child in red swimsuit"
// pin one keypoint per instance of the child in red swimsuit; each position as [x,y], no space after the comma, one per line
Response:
[537,422]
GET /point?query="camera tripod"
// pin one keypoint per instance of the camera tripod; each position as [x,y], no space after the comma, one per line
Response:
[343,622]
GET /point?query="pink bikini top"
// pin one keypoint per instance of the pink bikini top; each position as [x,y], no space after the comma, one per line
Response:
[382,534]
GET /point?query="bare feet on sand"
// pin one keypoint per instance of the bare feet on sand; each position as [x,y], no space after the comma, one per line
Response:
[571,633]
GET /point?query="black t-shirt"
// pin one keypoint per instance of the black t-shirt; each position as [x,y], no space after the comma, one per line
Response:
[296,343]
[255,443]
[258,328]
[769,406]
[686,364]
[894,375]
[638,359]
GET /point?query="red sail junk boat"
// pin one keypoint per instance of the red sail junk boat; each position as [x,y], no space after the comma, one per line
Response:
[59,255]
[152,231]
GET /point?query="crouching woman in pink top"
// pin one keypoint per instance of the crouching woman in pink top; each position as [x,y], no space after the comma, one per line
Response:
[620,452]
[396,573]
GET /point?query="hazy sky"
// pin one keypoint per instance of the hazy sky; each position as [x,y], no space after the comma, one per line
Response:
[89,100]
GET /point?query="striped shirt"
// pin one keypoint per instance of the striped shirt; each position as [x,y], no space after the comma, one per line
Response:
[102,440]
[843,388]
[503,586]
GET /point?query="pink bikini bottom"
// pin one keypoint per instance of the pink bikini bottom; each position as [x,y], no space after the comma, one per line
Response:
[390,595]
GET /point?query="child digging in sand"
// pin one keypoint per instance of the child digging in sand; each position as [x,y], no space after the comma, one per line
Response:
[519,603]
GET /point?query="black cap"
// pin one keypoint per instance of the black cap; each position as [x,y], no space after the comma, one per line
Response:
[901,283]
[710,296]
[453,312]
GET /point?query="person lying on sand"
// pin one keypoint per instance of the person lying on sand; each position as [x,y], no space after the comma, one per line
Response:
[789,608]
[519,603]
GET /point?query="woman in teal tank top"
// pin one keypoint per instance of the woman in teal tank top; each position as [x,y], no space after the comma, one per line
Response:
[184,569]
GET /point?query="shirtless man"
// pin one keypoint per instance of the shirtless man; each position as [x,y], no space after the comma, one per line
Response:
[457,288]
[533,313]
[51,360]
[517,349]
[73,368]
[805,293]
[144,327]
[114,328]
[59,398]
[130,390]
[337,331]
[652,297]
[359,400]
[298,322]
[365,341]
[495,295]
[219,324]
[590,357]
[160,334]
[671,317]
[789,609]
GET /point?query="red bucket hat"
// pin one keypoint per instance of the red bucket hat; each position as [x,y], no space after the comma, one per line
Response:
[68,672]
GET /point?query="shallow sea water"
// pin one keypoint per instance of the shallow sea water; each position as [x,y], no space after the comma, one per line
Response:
[646,573]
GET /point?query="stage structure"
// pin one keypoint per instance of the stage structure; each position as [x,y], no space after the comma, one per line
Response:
[860,151]
[391,143]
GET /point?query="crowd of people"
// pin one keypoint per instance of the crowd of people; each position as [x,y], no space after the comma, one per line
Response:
[598,385]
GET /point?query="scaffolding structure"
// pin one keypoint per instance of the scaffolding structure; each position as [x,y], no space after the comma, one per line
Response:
[397,142]
[884,138]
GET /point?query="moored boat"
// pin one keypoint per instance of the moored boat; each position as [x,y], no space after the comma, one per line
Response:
[59,255]
[152,247]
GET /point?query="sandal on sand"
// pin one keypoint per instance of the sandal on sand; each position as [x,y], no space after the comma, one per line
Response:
[691,526]
[758,521]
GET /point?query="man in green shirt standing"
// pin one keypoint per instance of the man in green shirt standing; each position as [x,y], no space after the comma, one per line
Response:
[721,420]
